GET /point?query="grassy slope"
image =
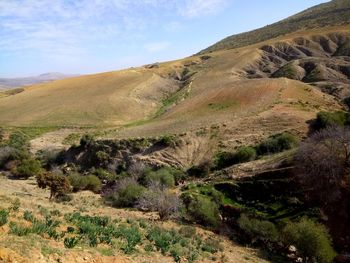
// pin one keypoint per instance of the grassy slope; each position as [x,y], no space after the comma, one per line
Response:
[336,12]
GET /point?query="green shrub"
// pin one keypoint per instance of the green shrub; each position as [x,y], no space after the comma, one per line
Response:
[89,182]
[177,251]
[278,143]
[27,168]
[242,155]
[258,230]
[162,239]
[201,209]
[104,175]
[126,193]
[3,217]
[18,140]
[311,239]
[325,119]
[245,154]
[162,176]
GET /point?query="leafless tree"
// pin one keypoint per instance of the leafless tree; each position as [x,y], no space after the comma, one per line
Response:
[323,162]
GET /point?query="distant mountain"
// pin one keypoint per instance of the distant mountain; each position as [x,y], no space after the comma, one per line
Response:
[336,12]
[8,83]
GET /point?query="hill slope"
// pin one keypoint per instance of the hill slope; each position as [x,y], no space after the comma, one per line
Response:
[336,12]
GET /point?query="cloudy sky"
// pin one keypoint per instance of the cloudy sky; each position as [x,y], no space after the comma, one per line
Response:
[86,36]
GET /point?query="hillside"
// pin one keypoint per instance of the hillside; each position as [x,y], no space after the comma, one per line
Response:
[335,12]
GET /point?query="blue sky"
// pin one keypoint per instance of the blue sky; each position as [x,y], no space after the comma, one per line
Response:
[88,36]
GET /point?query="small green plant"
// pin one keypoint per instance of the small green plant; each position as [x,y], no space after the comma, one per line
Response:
[132,236]
[188,231]
[28,216]
[19,230]
[70,242]
[212,246]
[3,217]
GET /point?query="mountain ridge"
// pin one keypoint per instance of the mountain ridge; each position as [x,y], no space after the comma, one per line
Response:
[336,12]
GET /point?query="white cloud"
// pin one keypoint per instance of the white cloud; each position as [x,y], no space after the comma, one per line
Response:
[157,46]
[196,8]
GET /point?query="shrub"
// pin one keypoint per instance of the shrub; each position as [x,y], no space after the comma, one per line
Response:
[58,184]
[245,154]
[104,175]
[226,159]
[18,140]
[162,176]
[258,230]
[311,239]
[278,143]
[161,238]
[27,168]
[203,210]
[48,157]
[164,202]
[325,119]
[125,194]
[89,182]
[3,217]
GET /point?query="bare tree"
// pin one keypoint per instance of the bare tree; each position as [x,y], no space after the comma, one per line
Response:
[323,162]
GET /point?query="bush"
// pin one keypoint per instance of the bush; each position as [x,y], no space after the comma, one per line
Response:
[325,119]
[245,154]
[275,144]
[203,210]
[18,140]
[125,194]
[104,175]
[27,168]
[89,182]
[59,185]
[226,159]
[257,230]
[311,239]
[162,176]
[3,217]
[212,246]
[164,202]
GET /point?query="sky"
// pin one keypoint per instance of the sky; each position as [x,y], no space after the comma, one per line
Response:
[90,36]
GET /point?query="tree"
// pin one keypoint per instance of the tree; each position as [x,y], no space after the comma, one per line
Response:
[58,184]
[323,161]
